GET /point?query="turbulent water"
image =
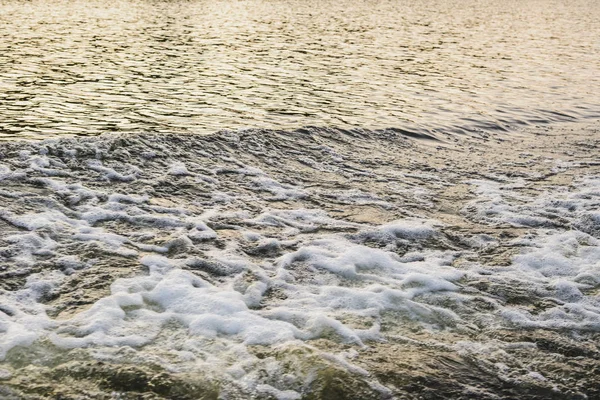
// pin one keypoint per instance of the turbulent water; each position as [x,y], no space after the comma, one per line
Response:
[314,264]
[351,243]
[433,67]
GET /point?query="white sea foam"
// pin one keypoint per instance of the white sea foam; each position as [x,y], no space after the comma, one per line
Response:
[321,276]
[6,173]
[178,169]
[323,280]
[279,190]
[112,175]
[557,261]
[502,203]
[23,319]
[300,220]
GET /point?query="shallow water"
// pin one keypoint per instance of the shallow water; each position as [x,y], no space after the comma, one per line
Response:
[366,265]
[88,67]
[312,263]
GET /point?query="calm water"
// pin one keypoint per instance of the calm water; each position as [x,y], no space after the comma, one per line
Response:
[88,67]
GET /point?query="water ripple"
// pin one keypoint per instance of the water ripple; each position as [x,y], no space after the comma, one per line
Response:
[434,67]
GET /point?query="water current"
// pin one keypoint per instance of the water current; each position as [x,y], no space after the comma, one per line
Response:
[285,200]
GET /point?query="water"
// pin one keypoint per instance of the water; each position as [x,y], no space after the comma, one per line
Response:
[316,264]
[434,67]
[280,262]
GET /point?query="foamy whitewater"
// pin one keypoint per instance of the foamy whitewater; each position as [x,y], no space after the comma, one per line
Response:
[184,268]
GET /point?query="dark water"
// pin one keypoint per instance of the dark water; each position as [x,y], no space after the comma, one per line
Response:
[88,67]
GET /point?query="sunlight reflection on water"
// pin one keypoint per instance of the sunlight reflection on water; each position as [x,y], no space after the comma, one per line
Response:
[88,67]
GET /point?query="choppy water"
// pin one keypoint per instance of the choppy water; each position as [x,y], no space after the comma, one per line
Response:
[88,67]
[311,263]
[366,265]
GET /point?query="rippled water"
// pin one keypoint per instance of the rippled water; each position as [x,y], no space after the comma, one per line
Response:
[88,67]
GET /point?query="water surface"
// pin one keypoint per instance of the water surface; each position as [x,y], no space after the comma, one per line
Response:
[88,67]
